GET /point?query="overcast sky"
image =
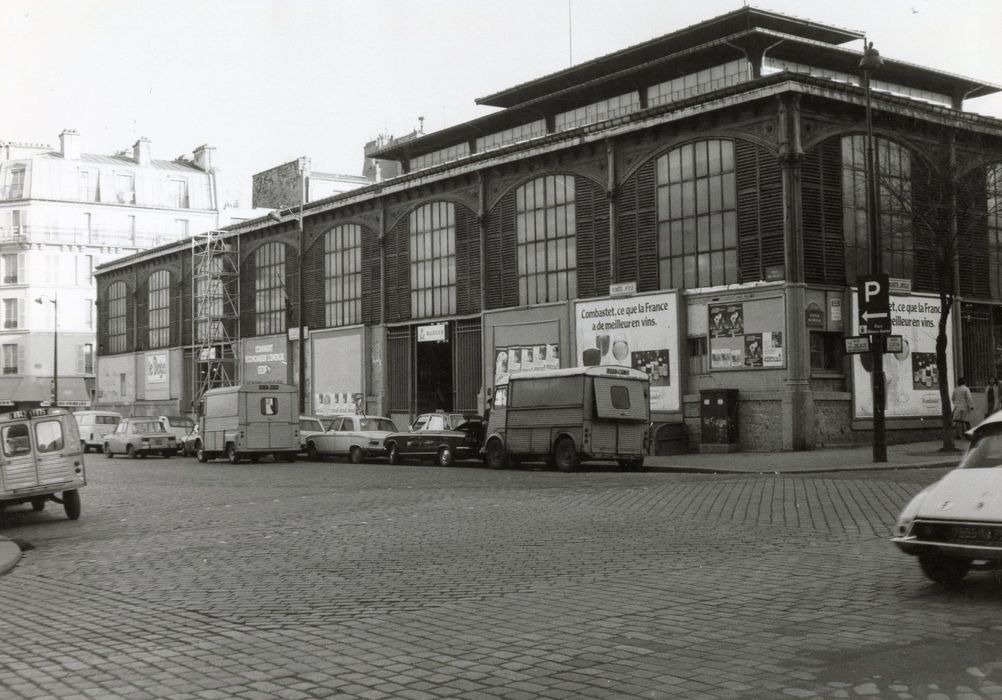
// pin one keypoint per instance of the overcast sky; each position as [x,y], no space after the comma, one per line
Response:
[266,81]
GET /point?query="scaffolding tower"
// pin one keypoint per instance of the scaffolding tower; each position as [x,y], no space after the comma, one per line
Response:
[215,311]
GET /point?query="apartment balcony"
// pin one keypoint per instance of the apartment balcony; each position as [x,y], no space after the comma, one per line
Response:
[112,238]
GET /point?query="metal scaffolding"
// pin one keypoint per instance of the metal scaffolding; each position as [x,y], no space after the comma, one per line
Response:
[215,310]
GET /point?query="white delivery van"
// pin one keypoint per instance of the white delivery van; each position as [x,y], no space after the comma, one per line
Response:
[40,457]
[249,421]
[94,425]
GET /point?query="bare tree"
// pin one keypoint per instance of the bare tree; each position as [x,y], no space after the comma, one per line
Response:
[943,200]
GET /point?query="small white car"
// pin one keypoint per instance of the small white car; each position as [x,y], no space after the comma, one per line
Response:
[357,437]
[955,525]
[139,437]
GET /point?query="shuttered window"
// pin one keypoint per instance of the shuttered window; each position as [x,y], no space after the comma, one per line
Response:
[697,216]
[117,340]
[343,275]
[545,231]
[896,233]
[158,309]
[993,192]
[269,289]
[824,254]
[433,260]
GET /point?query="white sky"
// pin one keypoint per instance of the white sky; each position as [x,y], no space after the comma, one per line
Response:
[266,81]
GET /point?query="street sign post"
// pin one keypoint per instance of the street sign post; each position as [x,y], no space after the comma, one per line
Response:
[857,345]
[874,304]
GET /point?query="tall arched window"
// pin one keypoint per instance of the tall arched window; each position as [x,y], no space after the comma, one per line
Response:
[116,317]
[343,275]
[993,188]
[159,309]
[697,216]
[433,260]
[896,236]
[545,228]
[269,289]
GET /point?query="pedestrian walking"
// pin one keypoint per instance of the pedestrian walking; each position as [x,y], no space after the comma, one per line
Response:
[991,396]
[963,407]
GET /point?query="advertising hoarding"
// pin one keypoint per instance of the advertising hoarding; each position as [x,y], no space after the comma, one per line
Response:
[912,380]
[641,332]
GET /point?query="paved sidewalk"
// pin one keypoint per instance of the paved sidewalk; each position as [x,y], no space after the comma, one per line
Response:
[911,456]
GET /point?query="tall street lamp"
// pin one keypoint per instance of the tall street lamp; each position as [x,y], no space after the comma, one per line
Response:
[300,273]
[870,62]
[55,345]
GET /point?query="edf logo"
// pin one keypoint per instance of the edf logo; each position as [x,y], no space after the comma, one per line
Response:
[874,304]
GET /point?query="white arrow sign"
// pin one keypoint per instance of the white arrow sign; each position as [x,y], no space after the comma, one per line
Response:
[866,316]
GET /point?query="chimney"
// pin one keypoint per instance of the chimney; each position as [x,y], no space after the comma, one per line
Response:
[204,157]
[141,151]
[69,144]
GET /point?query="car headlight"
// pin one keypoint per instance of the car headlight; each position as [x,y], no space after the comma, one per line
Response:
[904,524]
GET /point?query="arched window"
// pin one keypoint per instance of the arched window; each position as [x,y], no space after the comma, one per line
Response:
[697,216]
[269,289]
[116,317]
[433,260]
[545,228]
[159,309]
[993,188]
[896,236]
[343,275]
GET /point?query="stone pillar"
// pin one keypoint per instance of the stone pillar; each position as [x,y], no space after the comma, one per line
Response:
[798,403]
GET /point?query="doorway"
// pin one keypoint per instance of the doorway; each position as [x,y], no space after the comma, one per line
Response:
[433,363]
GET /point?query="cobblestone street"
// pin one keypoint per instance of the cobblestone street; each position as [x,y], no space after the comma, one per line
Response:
[302,580]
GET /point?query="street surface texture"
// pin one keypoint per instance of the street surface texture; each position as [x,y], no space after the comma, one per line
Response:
[301,580]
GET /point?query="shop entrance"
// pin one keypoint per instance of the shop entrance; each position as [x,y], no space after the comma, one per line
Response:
[432,369]
[433,363]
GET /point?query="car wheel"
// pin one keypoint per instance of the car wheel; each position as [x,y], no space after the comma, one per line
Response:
[496,456]
[565,455]
[356,455]
[71,504]
[311,452]
[107,451]
[130,451]
[946,571]
[394,454]
[37,504]
[200,454]
[231,453]
[445,456]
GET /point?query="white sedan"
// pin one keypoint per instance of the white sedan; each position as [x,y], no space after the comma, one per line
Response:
[955,524]
[357,437]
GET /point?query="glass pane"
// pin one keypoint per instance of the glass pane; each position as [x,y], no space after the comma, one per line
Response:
[704,270]
[675,165]
[687,161]
[689,235]
[701,159]
[703,233]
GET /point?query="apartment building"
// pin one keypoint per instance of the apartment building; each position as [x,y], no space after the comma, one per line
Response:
[63,212]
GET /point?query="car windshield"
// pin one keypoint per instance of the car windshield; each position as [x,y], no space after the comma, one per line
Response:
[384,424]
[985,453]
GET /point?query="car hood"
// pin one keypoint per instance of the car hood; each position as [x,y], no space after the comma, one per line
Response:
[965,494]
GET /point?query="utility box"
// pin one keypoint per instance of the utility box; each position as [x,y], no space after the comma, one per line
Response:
[718,420]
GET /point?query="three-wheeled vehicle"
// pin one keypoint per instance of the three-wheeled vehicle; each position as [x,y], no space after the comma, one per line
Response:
[40,457]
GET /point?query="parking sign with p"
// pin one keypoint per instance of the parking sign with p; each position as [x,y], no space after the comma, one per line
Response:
[874,304]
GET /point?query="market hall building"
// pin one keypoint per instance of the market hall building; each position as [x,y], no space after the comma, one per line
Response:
[694,206]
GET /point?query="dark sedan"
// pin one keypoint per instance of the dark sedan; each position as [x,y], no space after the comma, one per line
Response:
[445,437]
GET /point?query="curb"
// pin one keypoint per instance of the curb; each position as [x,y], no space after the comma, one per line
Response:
[10,555]
[685,469]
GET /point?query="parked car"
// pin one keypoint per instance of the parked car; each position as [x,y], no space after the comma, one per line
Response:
[180,426]
[139,437]
[309,426]
[357,437]
[93,426]
[440,435]
[189,444]
[955,525]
